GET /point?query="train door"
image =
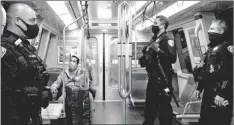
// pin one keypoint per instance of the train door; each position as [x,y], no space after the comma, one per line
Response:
[111,67]
[114,73]
[113,70]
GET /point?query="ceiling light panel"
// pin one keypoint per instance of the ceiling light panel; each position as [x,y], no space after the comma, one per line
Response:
[104,13]
[62,11]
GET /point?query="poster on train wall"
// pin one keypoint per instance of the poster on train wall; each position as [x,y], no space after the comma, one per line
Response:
[196,48]
[72,47]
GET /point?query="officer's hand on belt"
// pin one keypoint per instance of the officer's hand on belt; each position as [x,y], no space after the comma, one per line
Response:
[198,94]
[167,90]
[219,101]
[225,103]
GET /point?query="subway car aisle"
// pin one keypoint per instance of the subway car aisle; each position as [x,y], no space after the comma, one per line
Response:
[112,113]
[86,57]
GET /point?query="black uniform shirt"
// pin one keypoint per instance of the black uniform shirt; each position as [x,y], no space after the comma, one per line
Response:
[216,75]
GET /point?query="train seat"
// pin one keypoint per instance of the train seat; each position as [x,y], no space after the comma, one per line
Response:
[139,83]
[52,112]
[55,110]
[189,110]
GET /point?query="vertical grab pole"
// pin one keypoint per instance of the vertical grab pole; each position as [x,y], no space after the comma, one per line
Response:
[124,92]
[84,56]
[64,40]
[119,51]
[120,54]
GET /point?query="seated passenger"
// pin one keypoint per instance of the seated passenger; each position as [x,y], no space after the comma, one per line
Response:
[72,76]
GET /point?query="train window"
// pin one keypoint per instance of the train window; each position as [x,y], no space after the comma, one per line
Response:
[113,75]
[92,59]
[182,50]
[195,44]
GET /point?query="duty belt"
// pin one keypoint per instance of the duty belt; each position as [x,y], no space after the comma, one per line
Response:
[154,74]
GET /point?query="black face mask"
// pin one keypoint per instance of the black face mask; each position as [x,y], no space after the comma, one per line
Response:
[32,30]
[155,29]
[215,39]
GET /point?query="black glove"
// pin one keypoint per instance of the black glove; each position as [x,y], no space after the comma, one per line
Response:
[142,61]
[45,97]
[45,77]
[144,49]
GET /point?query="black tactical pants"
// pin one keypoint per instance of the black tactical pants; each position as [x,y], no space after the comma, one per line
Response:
[6,107]
[157,103]
[28,113]
[212,114]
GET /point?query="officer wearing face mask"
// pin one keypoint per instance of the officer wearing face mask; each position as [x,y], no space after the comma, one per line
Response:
[23,72]
[160,50]
[214,75]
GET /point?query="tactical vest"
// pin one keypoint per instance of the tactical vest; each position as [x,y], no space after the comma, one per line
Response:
[152,56]
[27,71]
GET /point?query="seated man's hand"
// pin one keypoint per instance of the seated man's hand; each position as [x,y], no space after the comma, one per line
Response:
[53,89]
[200,64]
[219,100]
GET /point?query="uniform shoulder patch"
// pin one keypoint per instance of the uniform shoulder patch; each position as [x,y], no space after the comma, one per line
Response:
[3,51]
[171,43]
[230,49]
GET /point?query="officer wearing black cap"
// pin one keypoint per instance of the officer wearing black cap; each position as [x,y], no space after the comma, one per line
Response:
[23,72]
[157,57]
[215,76]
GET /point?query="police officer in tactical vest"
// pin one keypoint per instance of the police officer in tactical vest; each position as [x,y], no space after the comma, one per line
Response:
[157,57]
[23,72]
[215,76]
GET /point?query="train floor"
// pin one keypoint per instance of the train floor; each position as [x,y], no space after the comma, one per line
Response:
[112,113]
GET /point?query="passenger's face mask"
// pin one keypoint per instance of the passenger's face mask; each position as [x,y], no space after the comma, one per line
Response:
[215,38]
[32,30]
[155,29]
[73,64]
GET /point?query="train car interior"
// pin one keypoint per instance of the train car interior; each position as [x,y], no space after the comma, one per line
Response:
[108,37]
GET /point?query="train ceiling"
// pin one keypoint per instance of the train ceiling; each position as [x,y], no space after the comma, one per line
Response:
[103,14]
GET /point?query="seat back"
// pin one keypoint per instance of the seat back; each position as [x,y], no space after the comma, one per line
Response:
[139,83]
[188,94]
